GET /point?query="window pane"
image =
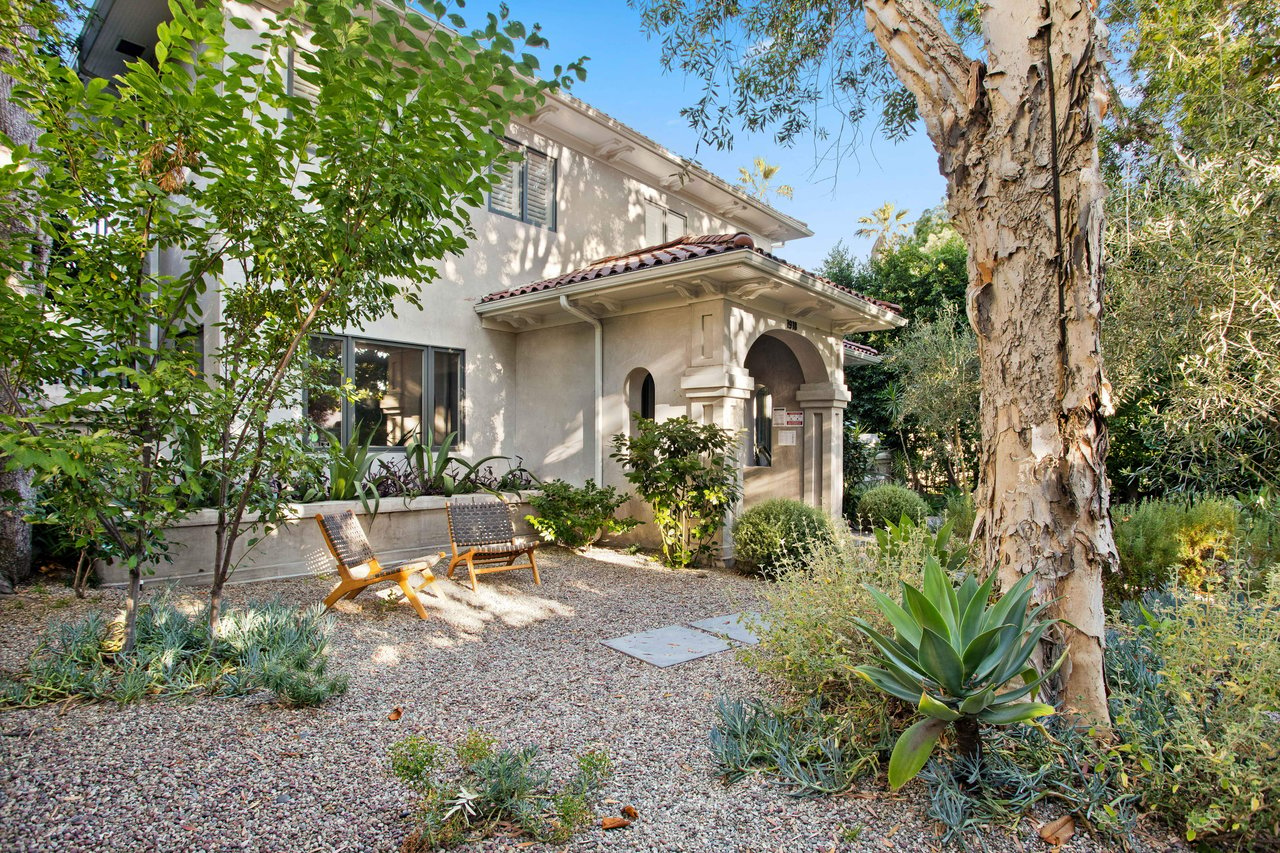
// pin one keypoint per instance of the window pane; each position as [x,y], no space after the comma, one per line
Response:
[388,384]
[505,195]
[654,221]
[324,403]
[648,397]
[540,188]
[446,408]
[676,225]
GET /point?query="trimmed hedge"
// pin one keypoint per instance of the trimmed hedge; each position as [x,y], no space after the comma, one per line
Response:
[778,533]
[880,505]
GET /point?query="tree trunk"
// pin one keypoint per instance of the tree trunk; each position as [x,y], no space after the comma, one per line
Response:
[1017,144]
[131,605]
[15,123]
[15,532]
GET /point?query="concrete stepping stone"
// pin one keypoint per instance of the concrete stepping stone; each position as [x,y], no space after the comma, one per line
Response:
[668,646]
[733,626]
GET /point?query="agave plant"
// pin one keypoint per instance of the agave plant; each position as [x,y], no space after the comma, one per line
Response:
[952,654]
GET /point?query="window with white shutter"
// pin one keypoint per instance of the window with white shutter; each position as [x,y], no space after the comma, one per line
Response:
[662,225]
[528,191]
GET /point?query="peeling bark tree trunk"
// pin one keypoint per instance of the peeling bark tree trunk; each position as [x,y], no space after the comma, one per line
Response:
[1017,144]
[15,532]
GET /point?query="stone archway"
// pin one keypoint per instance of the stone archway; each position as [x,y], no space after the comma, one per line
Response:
[793,423]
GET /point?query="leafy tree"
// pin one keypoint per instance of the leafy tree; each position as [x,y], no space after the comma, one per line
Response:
[925,274]
[99,380]
[1194,242]
[936,366]
[340,211]
[1015,125]
[688,474]
[307,214]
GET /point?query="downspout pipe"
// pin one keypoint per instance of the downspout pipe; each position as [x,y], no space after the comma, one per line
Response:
[599,327]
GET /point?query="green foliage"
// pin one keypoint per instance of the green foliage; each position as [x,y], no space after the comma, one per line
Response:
[349,470]
[491,788]
[1192,243]
[960,512]
[935,368]
[1194,684]
[261,646]
[934,359]
[952,653]
[887,503]
[576,517]
[687,473]
[809,644]
[780,533]
[906,539]
[809,748]
[1171,540]
[306,214]
[1053,764]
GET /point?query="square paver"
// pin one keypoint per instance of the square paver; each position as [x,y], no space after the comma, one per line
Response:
[668,646]
[733,626]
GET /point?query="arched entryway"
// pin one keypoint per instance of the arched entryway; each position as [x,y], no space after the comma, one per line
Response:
[788,427]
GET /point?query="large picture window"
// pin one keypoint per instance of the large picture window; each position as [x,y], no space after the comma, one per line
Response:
[400,392]
[528,190]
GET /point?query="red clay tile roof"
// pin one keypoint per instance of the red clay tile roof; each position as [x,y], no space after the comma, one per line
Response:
[680,249]
[860,348]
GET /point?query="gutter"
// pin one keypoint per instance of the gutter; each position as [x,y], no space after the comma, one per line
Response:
[599,327]
[682,269]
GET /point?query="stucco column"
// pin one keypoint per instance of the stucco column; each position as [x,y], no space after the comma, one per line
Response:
[823,404]
[718,394]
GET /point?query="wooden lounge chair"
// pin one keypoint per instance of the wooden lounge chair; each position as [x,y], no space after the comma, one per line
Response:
[359,567]
[483,534]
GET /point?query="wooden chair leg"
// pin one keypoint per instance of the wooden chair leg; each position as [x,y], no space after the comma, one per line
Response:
[412,594]
[342,590]
[471,568]
[533,564]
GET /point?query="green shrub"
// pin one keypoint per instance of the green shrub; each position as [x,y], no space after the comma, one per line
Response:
[805,745]
[951,651]
[492,789]
[688,474]
[577,517]
[959,511]
[779,533]
[1194,684]
[1162,541]
[809,643]
[262,646]
[882,504]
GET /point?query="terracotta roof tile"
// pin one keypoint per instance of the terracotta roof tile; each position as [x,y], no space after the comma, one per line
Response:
[677,250]
[860,348]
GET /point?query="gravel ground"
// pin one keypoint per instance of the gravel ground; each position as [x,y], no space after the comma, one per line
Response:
[520,661]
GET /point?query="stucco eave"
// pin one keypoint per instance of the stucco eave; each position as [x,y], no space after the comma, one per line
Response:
[739,268]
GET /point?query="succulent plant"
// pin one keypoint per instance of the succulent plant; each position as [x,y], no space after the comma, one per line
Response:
[951,655]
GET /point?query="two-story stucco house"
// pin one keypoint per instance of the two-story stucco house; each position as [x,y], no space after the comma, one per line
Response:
[588,295]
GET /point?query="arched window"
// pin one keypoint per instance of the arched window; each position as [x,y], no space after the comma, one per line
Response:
[762,428]
[641,397]
[648,397]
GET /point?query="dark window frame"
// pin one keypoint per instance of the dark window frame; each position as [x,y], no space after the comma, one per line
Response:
[761,428]
[521,171]
[427,413]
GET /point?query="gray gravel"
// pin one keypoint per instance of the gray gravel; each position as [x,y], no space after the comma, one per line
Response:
[521,661]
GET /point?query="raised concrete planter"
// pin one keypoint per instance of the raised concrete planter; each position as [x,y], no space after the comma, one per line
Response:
[401,530]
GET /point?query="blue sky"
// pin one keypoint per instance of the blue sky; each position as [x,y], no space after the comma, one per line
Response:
[625,80]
